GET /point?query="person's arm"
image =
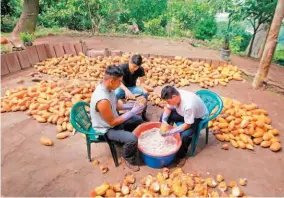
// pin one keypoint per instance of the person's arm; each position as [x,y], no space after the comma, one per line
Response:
[177,129]
[128,93]
[124,106]
[188,120]
[142,84]
[104,107]
[166,114]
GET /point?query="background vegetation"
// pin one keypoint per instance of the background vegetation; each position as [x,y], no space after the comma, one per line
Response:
[194,19]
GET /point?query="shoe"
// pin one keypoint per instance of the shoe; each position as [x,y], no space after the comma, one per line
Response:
[181,162]
[134,168]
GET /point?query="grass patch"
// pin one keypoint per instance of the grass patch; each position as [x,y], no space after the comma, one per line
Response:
[5,34]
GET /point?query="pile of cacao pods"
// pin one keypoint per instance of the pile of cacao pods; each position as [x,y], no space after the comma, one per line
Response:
[172,183]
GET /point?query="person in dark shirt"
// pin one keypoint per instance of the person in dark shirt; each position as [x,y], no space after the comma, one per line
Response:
[131,72]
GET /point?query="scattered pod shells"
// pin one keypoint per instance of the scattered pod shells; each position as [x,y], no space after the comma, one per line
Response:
[225,146]
[104,169]
[222,186]
[96,162]
[237,192]
[243,181]
[219,178]
[130,178]
[211,182]
[125,190]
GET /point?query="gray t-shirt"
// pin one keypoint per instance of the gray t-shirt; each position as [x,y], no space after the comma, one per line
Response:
[101,93]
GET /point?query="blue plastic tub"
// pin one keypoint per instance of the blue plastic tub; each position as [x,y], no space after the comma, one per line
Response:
[153,160]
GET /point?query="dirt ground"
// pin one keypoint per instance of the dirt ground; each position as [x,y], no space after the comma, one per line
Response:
[30,169]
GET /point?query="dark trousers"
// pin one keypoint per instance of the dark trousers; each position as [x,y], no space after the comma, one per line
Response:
[123,134]
[186,135]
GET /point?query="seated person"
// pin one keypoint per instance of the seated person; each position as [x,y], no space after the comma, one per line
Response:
[186,110]
[131,72]
[103,109]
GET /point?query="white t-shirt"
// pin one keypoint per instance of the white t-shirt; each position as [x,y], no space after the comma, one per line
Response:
[191,107]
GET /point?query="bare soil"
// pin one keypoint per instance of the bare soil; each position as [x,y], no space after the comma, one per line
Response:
[30,169]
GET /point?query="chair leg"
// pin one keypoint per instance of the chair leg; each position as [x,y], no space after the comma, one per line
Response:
[114,153]
[89,150]
[193,146]
[207,135]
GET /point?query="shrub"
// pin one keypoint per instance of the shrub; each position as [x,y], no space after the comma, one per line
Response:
[122,28]
[279,54]
[7,23]
[153,27]
[27,37]
[205,29]
[238,35]
[236,44]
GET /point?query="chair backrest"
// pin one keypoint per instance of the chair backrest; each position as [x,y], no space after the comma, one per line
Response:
[211,100]
[79,117]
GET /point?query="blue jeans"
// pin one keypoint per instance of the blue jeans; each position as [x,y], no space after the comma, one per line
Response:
[120,94]
[123,134]
[186,135]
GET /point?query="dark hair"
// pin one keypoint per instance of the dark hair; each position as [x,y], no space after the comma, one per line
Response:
[113,71]
[168,92]
[136,59]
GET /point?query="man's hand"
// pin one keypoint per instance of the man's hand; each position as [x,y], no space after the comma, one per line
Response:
[137,109]
[177,129]
[129,95]
[164,134]
[134,111]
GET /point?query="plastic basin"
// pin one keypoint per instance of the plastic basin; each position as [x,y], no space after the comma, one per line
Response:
[155,160]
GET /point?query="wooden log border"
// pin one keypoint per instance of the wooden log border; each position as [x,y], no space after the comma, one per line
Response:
[16,61]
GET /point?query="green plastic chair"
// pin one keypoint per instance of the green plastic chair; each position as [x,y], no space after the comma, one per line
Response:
[211,101]
[80,120]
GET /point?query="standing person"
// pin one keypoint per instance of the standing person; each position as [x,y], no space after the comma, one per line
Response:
[186,110]
[131,72]
[103,108]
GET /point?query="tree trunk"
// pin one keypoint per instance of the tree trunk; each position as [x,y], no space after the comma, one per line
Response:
[259,41]
[263,41]
[269,46]
[251,43]
[169,25]
[28,19]
[90,16]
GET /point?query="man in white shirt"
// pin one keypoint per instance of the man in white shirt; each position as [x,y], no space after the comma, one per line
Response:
[186,110]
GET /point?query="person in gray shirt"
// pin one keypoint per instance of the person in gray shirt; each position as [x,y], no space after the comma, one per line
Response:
[105,119]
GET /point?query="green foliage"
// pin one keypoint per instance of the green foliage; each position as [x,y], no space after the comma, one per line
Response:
[153,27]
[141,11]
[7,23]
[226,43]
[122,28]
[205,29]
[236,44]
[10,11]
[236,30]
[11,7]
[27,37]
[279,54]
[256,12]
[190,18]
[71,14]
[4,49]
[43,32]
